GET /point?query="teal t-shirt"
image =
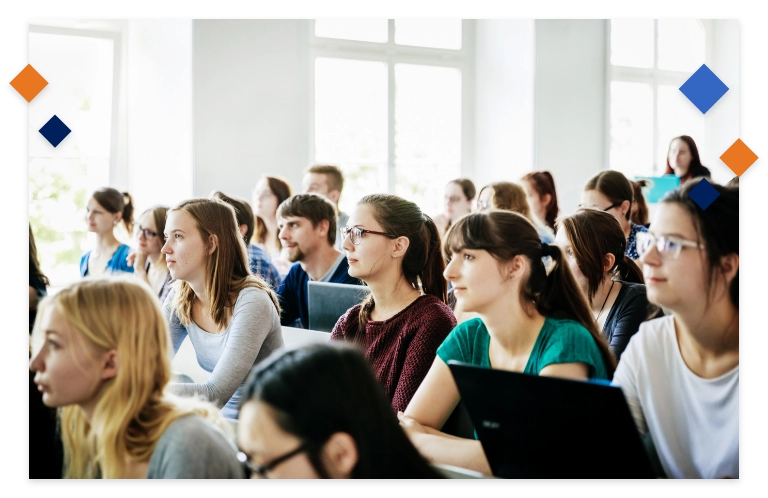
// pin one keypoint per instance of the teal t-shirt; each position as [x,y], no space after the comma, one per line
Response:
[559,341]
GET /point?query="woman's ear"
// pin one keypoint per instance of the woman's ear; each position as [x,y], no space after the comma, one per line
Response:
[213,243]
[340,455]
[624,207]
[401,247]
[729,266]
[515,267]
[546,199]
[243,229]
[608,261]
[110,364]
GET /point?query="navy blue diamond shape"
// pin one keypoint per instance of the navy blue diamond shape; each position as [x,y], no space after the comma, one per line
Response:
[703,88]
[55,131]
[703,194]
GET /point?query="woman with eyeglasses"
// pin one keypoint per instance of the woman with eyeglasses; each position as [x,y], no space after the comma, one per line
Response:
[101,356]
[610,191]
[594,248]
[680,373]
[105,209]
[459,195]
[148,261]
[509,196]
[269,193]
[395,248]
[318,412]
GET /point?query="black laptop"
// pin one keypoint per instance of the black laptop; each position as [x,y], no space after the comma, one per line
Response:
[545,427]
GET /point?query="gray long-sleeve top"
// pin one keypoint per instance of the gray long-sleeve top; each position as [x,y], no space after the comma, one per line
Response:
[252,334]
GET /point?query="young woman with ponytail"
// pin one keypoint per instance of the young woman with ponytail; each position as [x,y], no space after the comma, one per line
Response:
[529,321]
[594,247]
[106,208]
[395,248]
[101,355]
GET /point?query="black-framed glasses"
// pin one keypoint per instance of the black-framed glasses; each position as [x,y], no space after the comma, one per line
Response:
[148,234]
[667,245]
[614,205]
[356,234]
[262,470]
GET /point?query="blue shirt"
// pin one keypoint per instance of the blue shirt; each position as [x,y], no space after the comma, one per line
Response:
[261,265]
[293,296]
[632,240]
[116,264]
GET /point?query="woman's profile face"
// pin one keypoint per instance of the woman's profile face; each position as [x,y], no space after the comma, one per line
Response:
[537,204]
[565,245]
[264,200]
[372,256]
[185,250]
[98,218]
[679,157]
[150,242]
[456,203]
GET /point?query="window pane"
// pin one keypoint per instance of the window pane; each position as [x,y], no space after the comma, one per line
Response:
[631,128]
[80,70]
[632,42]
[427,132]
[370,30]
[681,44]
[677,116]
[351,123]
[436,33]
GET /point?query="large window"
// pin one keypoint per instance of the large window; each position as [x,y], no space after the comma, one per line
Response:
[389,99]
[80,69]
[649,61]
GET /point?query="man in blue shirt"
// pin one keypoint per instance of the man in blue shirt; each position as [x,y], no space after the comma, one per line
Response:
[307,224]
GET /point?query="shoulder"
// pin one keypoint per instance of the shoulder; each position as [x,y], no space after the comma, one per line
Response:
[252,297]
[434,309]
[123,250]
[460,342]
[348,319]
[632,293]
[568,341]
[637,228]
[653,338]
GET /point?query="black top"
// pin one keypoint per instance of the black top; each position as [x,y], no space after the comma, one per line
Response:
[36,283]
[625,316]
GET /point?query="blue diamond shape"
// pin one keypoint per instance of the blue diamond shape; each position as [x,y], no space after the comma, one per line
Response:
[703,194]
[55,131]
[703,88]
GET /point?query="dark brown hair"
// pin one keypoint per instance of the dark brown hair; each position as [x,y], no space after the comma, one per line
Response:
[466,186]
[717,227]
[115,202]
[34,263]
[243,212]
[422,261]
[639,211]
[615,186]
[333,173]
[543,183]
[506,234]
[282,190]
[314,207]
[693,167]
[593,234]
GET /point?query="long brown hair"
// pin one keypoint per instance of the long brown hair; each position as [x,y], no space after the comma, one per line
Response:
[593,234]
[506,234]
[34,263]
[282,190]
[115,202]
[639,213]
[543,183]
[695,164]
[422,261]
[510,196]
[227,268]
[615,186]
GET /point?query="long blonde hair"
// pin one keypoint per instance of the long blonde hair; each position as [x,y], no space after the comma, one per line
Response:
[227,268]
[133,411]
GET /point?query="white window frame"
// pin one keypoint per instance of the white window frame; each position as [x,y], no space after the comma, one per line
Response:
[652,76]
[392,53]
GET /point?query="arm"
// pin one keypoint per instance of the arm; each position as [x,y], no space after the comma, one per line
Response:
[249,326]
[575,371]
[177,331]
[287,295]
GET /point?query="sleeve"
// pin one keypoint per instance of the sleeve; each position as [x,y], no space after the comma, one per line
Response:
[121,259]
[626,378]
[177,330]
[420,356]
[250,325]
[632,313]
[571,343]
[456,345]
[288,295]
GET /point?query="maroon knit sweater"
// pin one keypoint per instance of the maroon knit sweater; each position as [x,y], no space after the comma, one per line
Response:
[401,349]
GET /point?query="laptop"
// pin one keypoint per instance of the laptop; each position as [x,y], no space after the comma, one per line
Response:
[550,428]
[659,186]
[328,301]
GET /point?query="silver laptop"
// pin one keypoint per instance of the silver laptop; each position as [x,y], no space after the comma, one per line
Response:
[328,301]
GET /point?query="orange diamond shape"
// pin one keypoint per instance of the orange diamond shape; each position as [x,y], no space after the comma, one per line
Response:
[29,83]
[738,157]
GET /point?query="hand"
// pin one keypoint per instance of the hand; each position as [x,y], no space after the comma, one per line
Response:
[411,427]
[138,260]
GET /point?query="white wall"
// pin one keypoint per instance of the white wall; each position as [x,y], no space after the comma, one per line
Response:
[570,104]
[250,91]
[504,97]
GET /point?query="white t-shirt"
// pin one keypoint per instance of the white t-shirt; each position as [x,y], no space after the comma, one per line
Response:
[694,422]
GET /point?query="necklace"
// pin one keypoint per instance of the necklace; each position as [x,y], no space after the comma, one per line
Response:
[606,300]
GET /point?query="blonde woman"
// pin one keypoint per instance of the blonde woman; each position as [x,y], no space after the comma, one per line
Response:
[101,354]
[509,196]
[231,316]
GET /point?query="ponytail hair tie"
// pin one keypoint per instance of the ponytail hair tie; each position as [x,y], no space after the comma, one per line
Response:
[545,251]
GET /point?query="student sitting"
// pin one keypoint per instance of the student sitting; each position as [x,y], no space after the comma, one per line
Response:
[260,262]
[529,322]
[610,191]
[307,224]
[148,262]
[594,248]
[394,247]
[511,197]
[231,316]
[683,160]
[328,181]
[680,373]
[270,192]
[459,196]
[102,355]
[540,190]
[318,412]
[106,208]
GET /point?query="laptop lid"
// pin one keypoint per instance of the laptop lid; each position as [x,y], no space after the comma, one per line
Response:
[658,186]
[328,301]
[544,427]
